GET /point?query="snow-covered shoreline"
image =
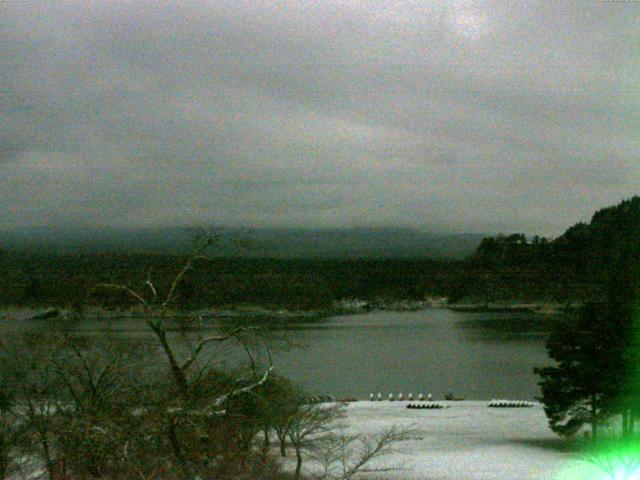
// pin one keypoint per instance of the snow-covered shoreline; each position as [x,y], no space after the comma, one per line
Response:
[467,441]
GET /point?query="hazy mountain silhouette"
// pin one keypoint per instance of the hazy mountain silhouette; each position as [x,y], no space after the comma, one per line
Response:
[267,242]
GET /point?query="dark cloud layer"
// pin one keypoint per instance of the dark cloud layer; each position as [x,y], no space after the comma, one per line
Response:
[462,115]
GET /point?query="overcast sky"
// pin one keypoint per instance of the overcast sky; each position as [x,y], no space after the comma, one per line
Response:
[464,116]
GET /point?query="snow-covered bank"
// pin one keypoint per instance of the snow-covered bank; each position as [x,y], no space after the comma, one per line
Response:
[467,441]
[99,313]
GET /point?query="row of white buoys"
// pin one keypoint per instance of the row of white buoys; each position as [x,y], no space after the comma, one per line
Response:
[510,404]
[401,397]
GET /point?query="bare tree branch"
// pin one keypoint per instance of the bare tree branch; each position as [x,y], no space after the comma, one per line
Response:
[342,456]
[187,266]
[215,338]
[114,286]
[149,283]
[220,401]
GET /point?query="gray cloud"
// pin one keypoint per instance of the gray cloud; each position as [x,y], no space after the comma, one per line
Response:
[461,115]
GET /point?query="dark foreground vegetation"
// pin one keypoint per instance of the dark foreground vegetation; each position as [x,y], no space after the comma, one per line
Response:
[595,378]
[97,408]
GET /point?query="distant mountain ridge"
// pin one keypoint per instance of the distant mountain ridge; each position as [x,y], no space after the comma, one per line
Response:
[383,242]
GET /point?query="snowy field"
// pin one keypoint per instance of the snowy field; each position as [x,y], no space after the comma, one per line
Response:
[465,441]
[469,441]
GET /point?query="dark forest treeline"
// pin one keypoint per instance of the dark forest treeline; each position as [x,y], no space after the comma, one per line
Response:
[584,248]
[69,280]
[29,279]
[573,267]
[593,251]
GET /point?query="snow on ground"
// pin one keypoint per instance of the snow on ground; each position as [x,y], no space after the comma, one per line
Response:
[468,441]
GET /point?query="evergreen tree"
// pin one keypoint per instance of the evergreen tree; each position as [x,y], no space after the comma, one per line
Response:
[578,389]
[624,316]
[598,354]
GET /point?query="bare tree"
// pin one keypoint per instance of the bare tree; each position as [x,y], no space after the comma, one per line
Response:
[73,402]
[157,310]
[8,427]
[32,379]
[307,423]
[100,387]
[192,395]
[342,456]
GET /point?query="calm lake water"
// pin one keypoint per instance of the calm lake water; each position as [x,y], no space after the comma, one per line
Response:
[473,355]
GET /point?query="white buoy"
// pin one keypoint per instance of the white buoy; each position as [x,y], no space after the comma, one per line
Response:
[400,396]
[410,397]
[379,397]
[391,397]
[421,397]
[429,397]
[371,397]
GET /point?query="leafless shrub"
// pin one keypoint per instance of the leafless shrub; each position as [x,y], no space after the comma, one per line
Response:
[307,424]
[8,428]
[73,401]
[342,456]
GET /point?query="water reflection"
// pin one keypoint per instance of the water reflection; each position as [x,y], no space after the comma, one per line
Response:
[506,327]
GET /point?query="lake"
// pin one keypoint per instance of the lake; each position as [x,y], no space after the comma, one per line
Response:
[474,355]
